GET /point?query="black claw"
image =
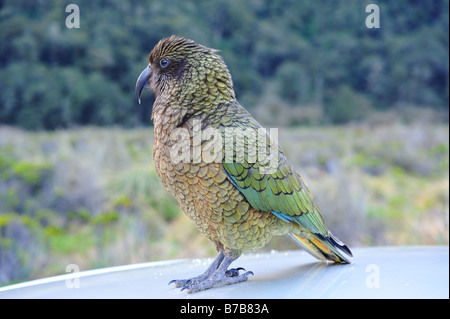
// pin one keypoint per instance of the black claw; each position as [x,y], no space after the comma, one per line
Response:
[249,273]
[172,281]
[233,272]
[188,281]
[185,287]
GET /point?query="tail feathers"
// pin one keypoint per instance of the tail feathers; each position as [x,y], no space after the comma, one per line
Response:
[324,247]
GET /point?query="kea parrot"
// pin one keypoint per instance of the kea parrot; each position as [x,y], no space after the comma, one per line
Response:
[237,202]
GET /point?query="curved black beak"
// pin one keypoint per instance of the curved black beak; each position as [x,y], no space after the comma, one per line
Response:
[142,82]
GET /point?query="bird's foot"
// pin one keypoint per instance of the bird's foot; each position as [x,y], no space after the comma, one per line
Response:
[216,275]
[234,272]
[217,279]
[211,269]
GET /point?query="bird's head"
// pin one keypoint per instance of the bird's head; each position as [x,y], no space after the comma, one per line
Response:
[187,73]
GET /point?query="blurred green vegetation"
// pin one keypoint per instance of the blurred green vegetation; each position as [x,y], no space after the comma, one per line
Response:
[91,196]
[315,59]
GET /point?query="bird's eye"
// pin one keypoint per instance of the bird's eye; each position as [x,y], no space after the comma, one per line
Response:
[164,63]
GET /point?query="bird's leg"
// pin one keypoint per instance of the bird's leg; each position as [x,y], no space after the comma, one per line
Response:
[214,265]
[220,277]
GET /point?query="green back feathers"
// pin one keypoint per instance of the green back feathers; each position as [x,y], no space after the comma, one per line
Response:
[270,183]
